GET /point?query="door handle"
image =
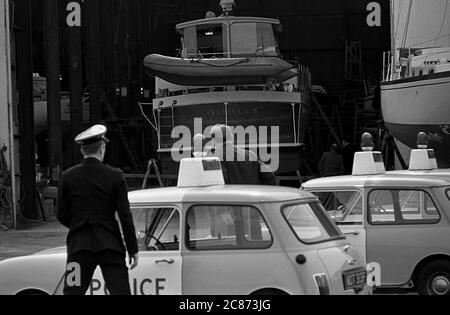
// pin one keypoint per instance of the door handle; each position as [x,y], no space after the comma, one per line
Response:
[352,233]
[166,261]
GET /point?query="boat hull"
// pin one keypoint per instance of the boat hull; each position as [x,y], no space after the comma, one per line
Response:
[418,105]
[211,72]
[257,113]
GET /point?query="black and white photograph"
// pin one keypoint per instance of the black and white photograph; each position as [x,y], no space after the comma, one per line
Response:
[224,152]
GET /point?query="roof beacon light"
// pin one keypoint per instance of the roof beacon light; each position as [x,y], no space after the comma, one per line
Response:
[200,172]
[368,162]
[227,6]
[367,144]
[423,159]
[422,141]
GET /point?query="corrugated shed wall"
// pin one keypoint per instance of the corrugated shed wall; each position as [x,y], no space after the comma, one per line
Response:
[421,23]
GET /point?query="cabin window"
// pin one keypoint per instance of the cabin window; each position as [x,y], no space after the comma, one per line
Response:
[207,41]
[399,207]
[250,39]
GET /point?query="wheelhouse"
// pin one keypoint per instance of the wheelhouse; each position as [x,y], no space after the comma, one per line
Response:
[230,37]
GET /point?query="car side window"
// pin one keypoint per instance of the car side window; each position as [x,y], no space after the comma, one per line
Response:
[226,228]
[402,207]
[157,229]
[344,207]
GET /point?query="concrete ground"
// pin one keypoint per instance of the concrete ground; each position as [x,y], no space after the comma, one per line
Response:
[26,242]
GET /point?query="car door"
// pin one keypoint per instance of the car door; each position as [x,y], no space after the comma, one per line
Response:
[160,264]
[346,209]
[403,229]
[231,251]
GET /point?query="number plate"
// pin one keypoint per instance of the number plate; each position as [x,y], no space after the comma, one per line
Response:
[355,279]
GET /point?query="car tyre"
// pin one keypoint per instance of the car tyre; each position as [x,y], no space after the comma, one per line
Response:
[32,293]
[434,279]
[269,292]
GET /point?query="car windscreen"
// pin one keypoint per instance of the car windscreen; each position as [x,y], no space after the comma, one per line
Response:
[310,223]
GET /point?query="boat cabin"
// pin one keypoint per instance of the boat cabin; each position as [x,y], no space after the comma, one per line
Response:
[420,62]
[229,37]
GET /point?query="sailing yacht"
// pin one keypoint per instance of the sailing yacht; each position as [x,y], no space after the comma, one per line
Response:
[415,92]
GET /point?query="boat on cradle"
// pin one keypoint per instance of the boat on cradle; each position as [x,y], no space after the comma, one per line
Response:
[230,71]
[415,92]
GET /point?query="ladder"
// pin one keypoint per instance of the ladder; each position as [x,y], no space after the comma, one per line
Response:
[353,61]
[152,164]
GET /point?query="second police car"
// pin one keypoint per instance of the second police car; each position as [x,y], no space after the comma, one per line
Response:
[204,238]
[399,221]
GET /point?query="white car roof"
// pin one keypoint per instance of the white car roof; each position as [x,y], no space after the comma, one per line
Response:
[222,194]
[438,172]
[384,180]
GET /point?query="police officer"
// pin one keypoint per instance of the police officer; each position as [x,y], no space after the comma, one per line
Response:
[89,197]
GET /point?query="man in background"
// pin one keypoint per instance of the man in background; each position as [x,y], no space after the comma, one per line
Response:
[331,163]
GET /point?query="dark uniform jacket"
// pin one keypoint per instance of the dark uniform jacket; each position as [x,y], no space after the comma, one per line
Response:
[331,164]
[244,168]
[89,197]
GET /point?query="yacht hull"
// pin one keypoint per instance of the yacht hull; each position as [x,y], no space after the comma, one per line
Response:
[420,104]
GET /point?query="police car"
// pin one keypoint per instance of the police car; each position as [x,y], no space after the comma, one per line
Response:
[400,222]
[204,238]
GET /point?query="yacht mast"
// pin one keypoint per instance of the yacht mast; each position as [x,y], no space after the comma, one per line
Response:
[393,37]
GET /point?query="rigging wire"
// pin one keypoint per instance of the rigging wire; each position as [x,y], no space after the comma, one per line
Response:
[399,17]
[408,20]
[148,119]
[444,18]
[430,41]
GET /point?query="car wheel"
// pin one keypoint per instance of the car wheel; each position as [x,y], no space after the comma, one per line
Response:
[32,293]
[434,279]
[269,292]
